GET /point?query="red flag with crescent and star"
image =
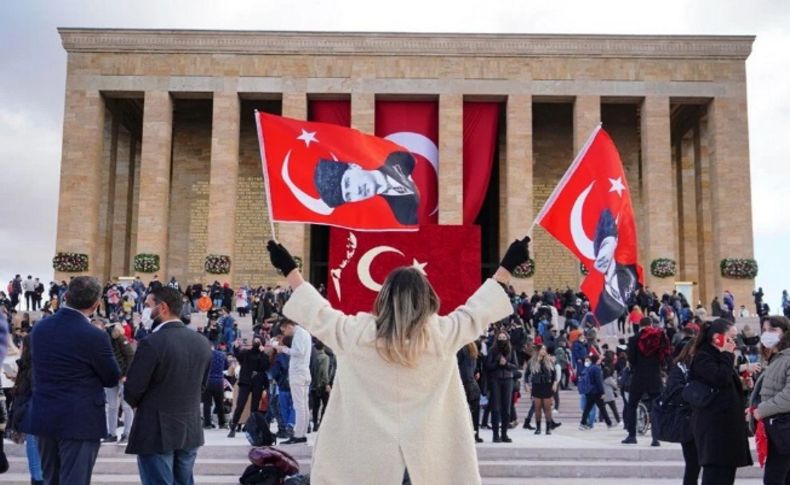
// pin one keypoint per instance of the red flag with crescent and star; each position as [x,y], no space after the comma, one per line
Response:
[322,173]
[590,213]
[359,262]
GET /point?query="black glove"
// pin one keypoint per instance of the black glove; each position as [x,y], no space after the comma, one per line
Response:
[517,254]
[280,257]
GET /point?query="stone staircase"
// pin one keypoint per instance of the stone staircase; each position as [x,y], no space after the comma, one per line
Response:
[569,456]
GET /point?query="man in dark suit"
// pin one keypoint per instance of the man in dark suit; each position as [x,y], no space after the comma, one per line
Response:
[73,362]
[341,182]
[165,383]
[645,380]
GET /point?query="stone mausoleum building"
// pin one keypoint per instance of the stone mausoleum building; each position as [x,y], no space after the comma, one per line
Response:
[160,154]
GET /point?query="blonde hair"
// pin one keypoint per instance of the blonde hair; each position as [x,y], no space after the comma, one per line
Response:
[535,363]
[402,309]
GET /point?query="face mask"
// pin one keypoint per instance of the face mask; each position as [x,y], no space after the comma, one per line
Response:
[587,363]
[769,339]
[145,317]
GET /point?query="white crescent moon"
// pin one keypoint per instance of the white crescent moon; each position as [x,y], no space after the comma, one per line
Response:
[363,267]
[316,205]
[580,239]
[421,145]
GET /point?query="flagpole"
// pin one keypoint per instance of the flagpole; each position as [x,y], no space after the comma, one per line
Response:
[265,175]
[564,180]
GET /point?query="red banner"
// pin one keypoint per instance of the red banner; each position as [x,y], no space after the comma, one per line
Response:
[480,138]
[414,125]
[335,111]
[590,213]
[326,174]
[359,262]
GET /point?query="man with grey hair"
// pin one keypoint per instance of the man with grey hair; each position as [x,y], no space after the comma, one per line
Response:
[73,362]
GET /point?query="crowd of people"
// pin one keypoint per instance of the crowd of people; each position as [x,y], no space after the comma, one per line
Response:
[281,374]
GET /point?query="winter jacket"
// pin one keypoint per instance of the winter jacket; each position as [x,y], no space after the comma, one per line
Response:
[497,370]
[216,372]
[719,429]
[596,379]
[279,372]
[775,393]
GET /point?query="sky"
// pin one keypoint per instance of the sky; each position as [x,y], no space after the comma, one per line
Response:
[33,67]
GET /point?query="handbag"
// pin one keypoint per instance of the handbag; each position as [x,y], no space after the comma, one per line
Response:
[778,430]
[698,394]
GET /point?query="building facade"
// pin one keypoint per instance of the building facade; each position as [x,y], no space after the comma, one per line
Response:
[160,154]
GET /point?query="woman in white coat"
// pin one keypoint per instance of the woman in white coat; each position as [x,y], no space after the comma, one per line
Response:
[397,402]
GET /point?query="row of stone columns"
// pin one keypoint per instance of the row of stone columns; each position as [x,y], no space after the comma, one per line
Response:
[78,228]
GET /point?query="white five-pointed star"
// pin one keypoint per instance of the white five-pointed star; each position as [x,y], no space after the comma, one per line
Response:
[617,186]
[419,266]
[307,137]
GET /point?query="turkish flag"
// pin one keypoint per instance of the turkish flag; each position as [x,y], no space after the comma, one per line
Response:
[415,126]
[590,213]
[359,262]
[328,174]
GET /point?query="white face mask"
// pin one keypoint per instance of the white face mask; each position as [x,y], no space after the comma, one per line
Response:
[769,339]
[587,363]
[145,317]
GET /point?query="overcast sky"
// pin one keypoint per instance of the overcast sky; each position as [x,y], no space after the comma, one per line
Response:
[33,65]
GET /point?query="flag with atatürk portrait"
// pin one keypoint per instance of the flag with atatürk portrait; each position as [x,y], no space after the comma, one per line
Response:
[590,213]
[323,173]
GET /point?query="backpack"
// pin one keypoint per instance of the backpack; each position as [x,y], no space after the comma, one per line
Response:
[585,383]
[255,475]
[257,430]
[671,415]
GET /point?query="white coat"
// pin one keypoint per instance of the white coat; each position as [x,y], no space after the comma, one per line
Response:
[383,418]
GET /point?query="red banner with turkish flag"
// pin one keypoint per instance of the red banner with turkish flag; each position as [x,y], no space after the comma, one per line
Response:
[590,212]
[414,125]
[323,173]
[359,262]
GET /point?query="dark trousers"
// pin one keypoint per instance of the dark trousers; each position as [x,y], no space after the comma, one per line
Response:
[474,410]
[777,468]
[566,376]
[244,394]
[319,398]
[630,412]
[499,400]
[718,475]
[215,396]
[595,400]
[29,300]
[613,406]
[67,462]
[691,473]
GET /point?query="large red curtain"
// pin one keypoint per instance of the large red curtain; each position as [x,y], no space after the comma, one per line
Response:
[336,111]
[415,126]
[480,138]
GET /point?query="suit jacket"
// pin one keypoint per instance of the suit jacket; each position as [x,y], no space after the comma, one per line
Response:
[609,309]
[164,383]
[404,207]
[73,362]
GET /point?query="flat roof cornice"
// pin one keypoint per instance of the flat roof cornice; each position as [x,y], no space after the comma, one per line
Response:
[405,44]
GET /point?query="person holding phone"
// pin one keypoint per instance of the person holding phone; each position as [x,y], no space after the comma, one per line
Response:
[719,429]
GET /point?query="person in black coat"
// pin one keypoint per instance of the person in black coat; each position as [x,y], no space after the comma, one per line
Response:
[469,369]
[719,429]
[73,362]
[164,384]
[252,379]
[645,380]
[501,365]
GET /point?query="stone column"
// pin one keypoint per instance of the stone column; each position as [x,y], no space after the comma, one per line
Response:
[586,116]
[154,195]
[657,190]
[80,177]
[223,178]
[688,257]
[363,112]
[707,267]
[516,192]
[451,168]
[120,222]
[295,237]
[731,191]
